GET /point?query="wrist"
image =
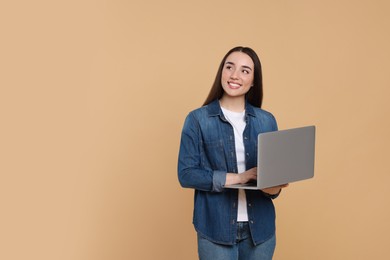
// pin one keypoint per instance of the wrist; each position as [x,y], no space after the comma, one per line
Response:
[232,178]
[273,194]
[272,191]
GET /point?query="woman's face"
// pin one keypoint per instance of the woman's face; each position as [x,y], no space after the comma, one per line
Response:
[237,74]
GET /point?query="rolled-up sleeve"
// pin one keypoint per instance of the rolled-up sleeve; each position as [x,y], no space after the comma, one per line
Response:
[219,180]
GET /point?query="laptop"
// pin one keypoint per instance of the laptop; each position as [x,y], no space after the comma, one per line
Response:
[283,157]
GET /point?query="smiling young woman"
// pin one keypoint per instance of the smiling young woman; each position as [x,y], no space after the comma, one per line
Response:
[218,148]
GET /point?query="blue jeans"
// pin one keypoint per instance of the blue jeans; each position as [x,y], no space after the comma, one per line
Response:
[242,250]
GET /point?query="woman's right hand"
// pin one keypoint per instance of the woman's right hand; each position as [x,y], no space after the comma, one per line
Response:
[242,178]
[248,176]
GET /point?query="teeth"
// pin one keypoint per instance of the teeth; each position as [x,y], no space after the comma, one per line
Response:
[234,85]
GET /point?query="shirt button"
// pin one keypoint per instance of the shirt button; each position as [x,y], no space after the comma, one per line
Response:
[245,137]
[251,221]
[247,154]
[250,204]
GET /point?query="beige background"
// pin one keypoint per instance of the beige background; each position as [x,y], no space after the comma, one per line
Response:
[94,93]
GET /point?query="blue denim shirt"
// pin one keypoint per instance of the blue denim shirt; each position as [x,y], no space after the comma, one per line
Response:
[207,153]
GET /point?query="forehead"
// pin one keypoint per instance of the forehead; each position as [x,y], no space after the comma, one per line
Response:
[240,59]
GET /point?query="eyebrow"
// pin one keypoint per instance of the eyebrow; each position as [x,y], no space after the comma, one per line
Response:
[244,66]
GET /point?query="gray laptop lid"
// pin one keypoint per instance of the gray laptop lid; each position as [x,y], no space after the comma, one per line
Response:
[284,156]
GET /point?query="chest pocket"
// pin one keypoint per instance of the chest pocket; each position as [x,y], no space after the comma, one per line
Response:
[214,155]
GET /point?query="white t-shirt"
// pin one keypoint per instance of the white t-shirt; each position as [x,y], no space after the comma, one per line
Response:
[237,120]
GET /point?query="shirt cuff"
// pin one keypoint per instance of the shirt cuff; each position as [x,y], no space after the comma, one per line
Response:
[219,179]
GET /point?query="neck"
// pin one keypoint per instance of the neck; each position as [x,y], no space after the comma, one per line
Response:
[235,104]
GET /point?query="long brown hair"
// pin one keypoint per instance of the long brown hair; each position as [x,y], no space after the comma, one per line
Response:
[255,94]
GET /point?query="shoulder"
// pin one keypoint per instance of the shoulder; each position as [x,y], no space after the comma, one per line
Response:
[259,112]
[265,118]
[198,113]
[199,110]
[211,109]
[195,117]
[265,113]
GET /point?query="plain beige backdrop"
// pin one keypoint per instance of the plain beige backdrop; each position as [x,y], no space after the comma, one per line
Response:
[93,95]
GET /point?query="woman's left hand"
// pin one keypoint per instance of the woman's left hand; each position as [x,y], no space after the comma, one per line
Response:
[274,190]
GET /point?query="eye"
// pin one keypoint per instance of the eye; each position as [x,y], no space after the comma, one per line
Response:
[228,67]
[245,71]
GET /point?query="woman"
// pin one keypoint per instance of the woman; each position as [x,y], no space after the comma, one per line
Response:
[219,147]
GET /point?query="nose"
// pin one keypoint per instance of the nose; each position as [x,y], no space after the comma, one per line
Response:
[234,74]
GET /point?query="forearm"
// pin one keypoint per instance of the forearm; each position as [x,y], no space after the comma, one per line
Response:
[201,179]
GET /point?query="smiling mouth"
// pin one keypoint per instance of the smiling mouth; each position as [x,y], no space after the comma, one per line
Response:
[234,85]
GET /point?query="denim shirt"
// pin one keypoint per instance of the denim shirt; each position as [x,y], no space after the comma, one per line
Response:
[207,154]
